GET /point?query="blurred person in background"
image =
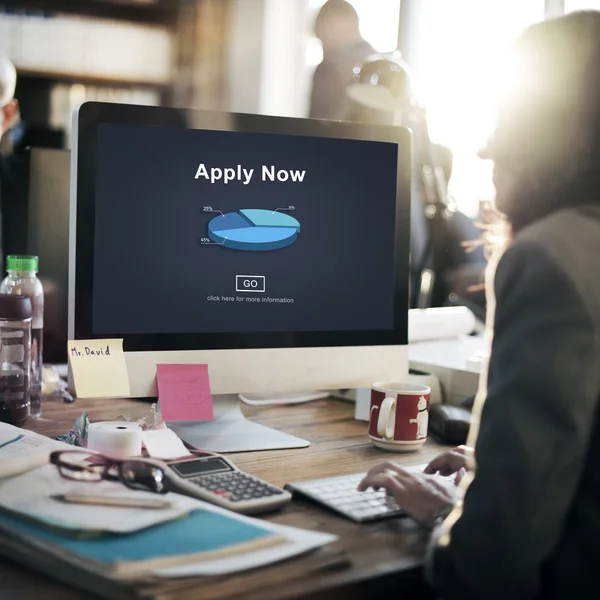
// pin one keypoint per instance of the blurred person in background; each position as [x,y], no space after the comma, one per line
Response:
[9,107]
[14,200]
[524,522]
[9,115]
[337,27]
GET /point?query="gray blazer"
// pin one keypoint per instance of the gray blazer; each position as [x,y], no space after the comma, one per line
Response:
[530,526]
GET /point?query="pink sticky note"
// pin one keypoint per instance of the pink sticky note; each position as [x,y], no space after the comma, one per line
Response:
[184,392]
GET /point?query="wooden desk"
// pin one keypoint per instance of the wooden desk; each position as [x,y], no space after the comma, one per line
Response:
[366,558]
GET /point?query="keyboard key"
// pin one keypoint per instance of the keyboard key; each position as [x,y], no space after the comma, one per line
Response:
[355,512]
[328,496]
[343,502]
[374,512]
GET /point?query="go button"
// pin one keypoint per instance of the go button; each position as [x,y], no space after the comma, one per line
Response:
[250,283]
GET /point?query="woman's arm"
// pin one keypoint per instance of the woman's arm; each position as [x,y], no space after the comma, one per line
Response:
[543,390]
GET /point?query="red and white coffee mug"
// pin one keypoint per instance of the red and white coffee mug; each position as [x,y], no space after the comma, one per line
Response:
[399,415]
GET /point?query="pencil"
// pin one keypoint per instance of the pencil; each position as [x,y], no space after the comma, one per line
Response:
[112,501]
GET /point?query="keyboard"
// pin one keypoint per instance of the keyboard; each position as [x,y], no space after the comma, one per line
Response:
[340,494]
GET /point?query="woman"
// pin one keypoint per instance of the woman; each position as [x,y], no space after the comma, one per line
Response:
[526,522]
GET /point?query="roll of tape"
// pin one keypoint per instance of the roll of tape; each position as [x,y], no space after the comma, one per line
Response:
[115,439]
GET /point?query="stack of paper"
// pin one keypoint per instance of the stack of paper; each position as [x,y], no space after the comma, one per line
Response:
[29,496]
[200,536]
[107,546]
[207,541]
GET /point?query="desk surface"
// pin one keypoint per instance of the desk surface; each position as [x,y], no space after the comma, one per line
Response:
[339,445]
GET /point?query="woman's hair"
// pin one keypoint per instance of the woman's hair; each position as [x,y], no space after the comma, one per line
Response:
[547,138]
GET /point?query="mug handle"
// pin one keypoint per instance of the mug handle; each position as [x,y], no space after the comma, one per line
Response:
[385,425]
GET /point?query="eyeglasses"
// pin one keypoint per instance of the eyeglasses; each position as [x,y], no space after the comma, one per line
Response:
[135,473]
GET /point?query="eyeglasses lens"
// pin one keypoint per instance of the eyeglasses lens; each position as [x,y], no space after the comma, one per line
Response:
[143,476]
[81,466]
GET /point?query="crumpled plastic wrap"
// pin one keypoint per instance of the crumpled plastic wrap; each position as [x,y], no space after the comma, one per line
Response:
[77,436]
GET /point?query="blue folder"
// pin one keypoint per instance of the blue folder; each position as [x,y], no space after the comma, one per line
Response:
[202,533]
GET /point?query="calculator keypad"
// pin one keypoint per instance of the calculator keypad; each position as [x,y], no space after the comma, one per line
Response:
[236,486]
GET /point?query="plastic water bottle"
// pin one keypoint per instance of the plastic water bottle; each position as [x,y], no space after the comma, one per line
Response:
[22,280]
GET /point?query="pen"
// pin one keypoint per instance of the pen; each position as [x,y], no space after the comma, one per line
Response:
[111,501]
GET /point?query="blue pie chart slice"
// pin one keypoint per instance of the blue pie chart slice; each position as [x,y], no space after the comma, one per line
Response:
[269,218]
[254,230]
[228,221]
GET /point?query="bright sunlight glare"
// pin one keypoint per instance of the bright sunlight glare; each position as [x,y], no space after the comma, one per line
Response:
[461,53]
[460,59]
[572,5]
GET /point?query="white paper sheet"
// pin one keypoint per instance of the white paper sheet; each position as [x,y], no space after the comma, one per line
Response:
[30,493]
[299,542]
[440,323]
[164,444]
[22,450]
[14,440]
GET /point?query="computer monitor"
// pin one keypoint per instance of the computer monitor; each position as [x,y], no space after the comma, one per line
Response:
[274,250]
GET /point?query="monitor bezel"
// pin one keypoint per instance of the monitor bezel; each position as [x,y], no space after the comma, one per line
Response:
[86,121]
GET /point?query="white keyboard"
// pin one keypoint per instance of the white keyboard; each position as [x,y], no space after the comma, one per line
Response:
[340,494]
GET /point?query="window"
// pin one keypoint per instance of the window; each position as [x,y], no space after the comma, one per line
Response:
[572,5]
[459,49]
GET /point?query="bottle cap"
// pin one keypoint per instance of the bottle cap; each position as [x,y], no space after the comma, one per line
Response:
[15,308]
[21,262]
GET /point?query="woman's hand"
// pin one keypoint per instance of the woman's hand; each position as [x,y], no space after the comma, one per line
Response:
[450,462]
[420,495]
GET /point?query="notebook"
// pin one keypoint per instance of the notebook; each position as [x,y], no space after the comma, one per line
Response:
[203,535]
[29,496]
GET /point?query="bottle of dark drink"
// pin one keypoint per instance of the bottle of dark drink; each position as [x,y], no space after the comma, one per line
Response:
[15,358]
[22,280]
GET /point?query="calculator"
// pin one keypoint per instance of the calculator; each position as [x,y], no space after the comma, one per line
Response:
[213,478]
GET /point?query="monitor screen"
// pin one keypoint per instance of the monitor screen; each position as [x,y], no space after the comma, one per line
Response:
[207,231]
[220,231]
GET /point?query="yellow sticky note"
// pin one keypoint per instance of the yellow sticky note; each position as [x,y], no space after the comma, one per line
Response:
[98,368]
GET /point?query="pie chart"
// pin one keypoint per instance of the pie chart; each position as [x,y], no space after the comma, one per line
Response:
[254,230]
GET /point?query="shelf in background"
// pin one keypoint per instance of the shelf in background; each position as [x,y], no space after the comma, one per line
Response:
[71,48]
[92,79]
[160,12]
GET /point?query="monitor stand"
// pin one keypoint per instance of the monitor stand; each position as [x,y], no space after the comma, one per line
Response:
[230,431]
